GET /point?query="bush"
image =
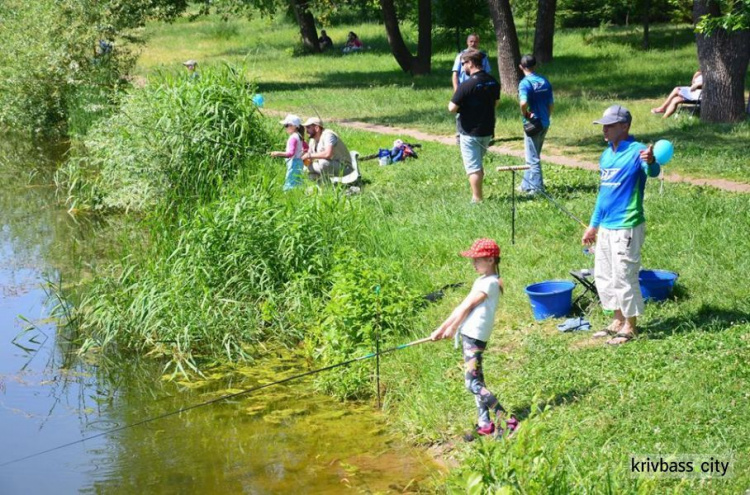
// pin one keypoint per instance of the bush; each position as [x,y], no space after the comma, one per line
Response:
[172,146]
[368,300]
[48,51]
[535,460]
[250,267]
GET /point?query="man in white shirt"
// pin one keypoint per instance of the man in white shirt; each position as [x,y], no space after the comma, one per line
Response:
[328,153]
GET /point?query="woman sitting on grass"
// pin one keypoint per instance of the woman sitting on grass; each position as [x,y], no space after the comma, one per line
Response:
[474,318]
[353,43]
[681,94]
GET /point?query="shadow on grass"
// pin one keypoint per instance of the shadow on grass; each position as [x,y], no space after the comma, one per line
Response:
[572,395]
[439,78]
[706,318]
[660,37]
[691,135]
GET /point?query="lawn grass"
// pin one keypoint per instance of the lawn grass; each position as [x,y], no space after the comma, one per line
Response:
[680,389]
[593,68]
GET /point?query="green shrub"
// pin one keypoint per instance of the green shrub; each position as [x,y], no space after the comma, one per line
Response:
[252,266]
[368,300]
[534,460]
[51,67]
[172,145]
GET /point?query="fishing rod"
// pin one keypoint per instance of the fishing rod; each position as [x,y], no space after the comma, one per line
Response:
[222,398]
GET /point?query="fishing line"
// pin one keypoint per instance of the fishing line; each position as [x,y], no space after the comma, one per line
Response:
[561,207]
[222,398]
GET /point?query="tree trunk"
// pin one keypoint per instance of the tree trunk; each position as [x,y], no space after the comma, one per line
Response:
[723,58]
[508,52]
[544,31]
[306,23]
[421,64]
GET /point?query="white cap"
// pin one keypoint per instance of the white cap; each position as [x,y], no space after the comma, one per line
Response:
[313,121]
[291,120]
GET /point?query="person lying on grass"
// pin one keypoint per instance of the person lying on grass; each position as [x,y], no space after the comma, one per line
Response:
[474,318]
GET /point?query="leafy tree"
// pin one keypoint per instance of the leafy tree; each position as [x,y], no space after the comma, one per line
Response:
[461,17]
[723,41]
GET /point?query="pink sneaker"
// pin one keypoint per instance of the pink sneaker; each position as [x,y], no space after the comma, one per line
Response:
[478,431]
[511,425]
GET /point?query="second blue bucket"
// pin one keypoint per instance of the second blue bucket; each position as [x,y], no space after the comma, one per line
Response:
[656,285]
[551,298]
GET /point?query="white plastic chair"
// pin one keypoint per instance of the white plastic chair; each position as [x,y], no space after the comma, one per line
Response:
[352,176]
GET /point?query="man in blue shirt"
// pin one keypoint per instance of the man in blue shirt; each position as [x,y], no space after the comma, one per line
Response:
[475,101]
[535,97]
[618,223]
[458,74]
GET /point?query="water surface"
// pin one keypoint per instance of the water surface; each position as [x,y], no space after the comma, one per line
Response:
[280,440]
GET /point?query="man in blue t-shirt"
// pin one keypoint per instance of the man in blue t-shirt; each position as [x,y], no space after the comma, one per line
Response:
[535,98]
[458,75]
[618,225]
[475,101]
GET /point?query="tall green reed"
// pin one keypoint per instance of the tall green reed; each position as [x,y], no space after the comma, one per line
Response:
[172,145]
[251,266]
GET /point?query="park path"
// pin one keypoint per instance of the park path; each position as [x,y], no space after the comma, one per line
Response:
[669,176]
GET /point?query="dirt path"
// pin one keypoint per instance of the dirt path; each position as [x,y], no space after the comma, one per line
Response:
[726,185]
[669,176]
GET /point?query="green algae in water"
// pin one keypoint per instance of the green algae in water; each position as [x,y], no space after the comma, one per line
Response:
[278,417]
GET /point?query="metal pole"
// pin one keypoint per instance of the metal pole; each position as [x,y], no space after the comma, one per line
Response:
[512,170]
[513,208]
[377,365]
[377,345]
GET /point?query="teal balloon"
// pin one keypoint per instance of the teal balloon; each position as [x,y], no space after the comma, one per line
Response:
[258,100]
[663,151]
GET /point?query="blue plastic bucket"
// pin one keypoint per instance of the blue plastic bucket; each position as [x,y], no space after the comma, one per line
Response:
[656,285]
[551,299]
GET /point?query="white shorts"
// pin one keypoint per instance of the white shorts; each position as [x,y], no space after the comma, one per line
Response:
[617,264]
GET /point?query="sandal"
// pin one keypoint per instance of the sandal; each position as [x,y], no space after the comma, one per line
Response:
[607,332]
[624,337]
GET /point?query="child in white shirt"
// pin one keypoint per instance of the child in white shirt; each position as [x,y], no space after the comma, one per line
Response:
[474,318]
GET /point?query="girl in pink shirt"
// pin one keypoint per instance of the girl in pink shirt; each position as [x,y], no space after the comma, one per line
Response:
[295,146]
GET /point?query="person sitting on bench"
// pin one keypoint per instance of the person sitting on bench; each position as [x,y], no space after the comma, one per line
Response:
[681,94]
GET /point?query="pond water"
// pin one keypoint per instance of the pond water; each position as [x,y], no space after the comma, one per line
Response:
[278,440]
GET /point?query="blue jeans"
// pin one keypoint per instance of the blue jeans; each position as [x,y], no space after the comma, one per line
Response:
[532,178]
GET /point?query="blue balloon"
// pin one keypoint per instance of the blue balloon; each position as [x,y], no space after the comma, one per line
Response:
[663,151]
[258,100]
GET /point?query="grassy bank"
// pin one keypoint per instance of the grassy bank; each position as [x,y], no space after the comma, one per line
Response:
[678,390]
[585,408]
[593,68]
